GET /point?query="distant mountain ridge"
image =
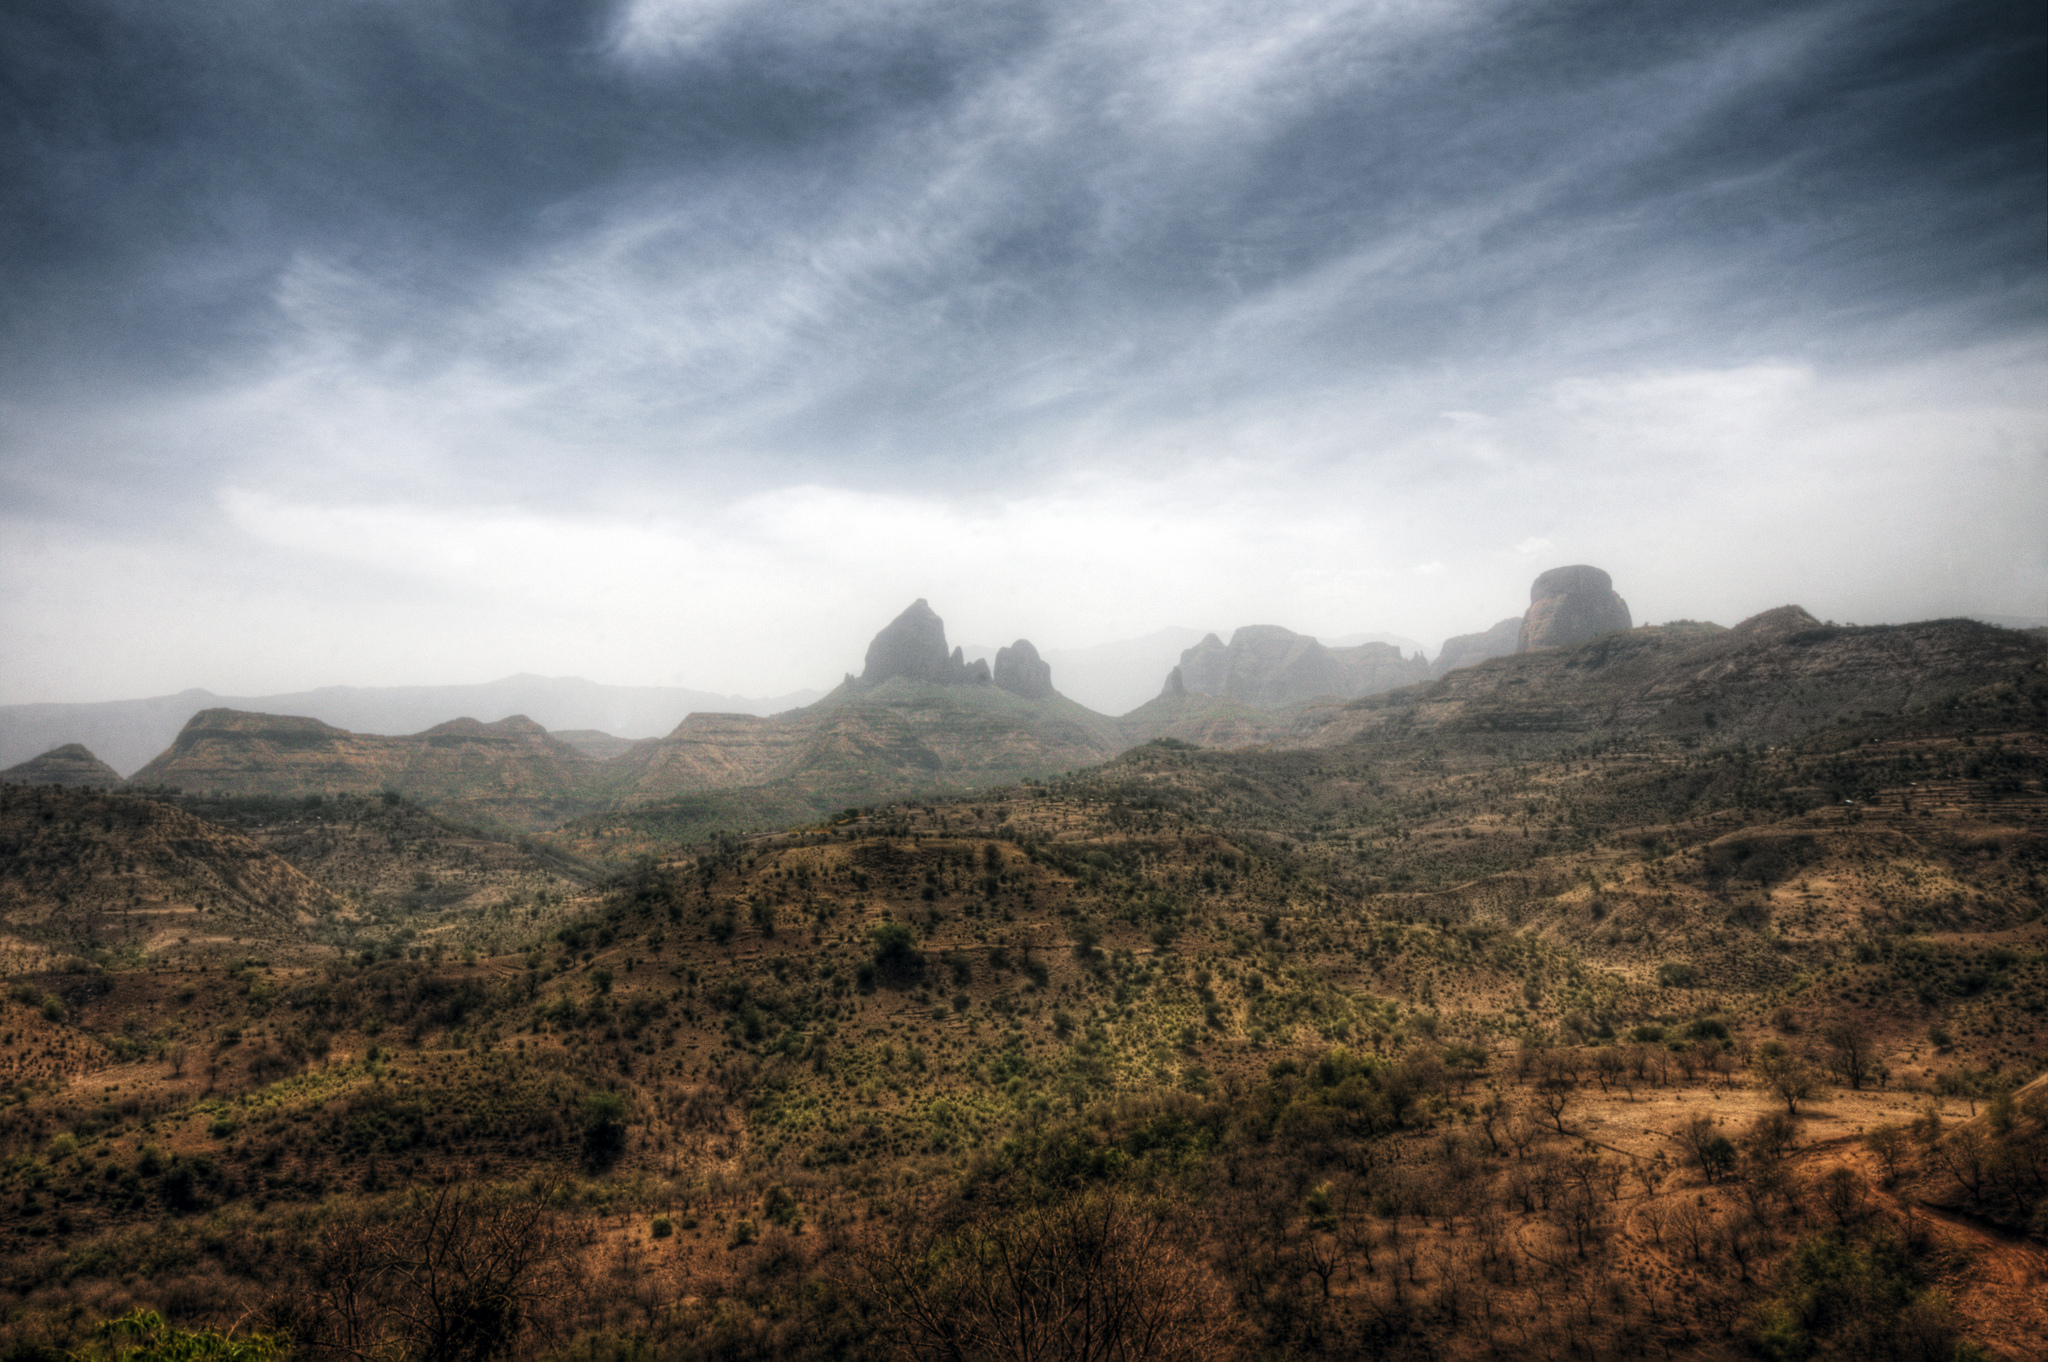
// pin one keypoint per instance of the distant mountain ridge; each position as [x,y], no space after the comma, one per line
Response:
[511,772]
[918,720]
[922,719]
[125,734]
[1267,666]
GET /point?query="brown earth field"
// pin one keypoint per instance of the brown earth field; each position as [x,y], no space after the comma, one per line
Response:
[1425,1044]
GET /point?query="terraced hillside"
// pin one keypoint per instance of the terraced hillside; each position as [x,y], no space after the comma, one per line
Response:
[88,872]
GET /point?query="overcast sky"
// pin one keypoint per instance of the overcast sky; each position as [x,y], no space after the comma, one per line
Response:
[686,341]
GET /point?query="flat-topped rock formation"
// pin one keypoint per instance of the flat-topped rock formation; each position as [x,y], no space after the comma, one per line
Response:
[1569,605]
[1267,666]
[70,764]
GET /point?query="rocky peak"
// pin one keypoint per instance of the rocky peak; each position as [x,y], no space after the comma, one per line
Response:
[913,645]
[1021,671]
[1568,605]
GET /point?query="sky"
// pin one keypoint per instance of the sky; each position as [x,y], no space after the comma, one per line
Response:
[376,342]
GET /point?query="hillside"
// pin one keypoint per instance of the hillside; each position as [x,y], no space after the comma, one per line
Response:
[1768,679]
[89,872]
[70,764]
[1411,1045]
[859,745]
[509,773]
[405,869]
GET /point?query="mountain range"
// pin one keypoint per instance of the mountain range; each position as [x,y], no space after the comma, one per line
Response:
[127,733]
[923,718]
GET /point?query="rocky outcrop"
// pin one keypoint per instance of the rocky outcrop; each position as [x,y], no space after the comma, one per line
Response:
[1569,605]
[1268,666]
[913,645]
[1775,626]
[1469,650]
[70,764]
[1020,671]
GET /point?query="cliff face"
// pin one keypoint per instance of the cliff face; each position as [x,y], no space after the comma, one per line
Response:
[1020,671]
[913,645]
[1569,605]
[1468,650]
[1266,666]
[510,771]
[70,764]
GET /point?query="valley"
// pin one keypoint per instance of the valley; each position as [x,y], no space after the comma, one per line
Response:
[1462,1025]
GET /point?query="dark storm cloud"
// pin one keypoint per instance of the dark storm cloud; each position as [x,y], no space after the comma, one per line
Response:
[164,162]
[1835,161]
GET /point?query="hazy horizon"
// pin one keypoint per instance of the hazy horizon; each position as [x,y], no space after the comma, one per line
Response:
[684,342]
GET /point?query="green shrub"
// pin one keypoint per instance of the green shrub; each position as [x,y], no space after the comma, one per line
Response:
[604,1128]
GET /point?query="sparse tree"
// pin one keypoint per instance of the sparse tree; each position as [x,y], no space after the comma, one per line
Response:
[1850,1055]
[459,1275]
[1098,1274]
[1783,1074]
[1554,1096]
[1693,1222]
[1963,1152]
[1888,1144]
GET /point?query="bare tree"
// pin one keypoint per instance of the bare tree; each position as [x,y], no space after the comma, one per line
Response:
[1851,1057]
[1963,1152]
[1097,1275]
[448,1275]
[1554,1095]
[1693,1222]
[1889,1145]
[1783,1074]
